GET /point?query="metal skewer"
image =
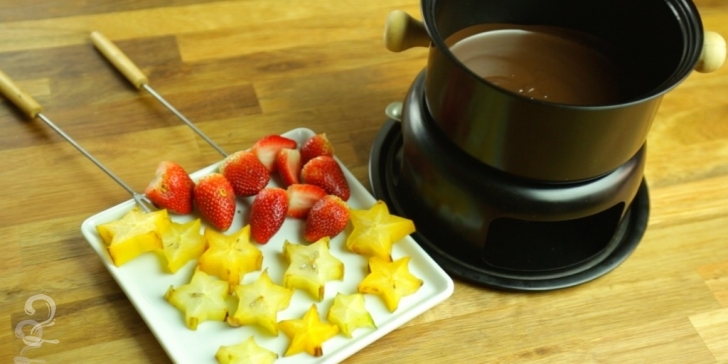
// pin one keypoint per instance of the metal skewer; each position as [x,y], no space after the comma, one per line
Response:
[33,109]
[140,81]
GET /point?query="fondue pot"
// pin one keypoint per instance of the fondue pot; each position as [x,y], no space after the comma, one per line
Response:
[513,192]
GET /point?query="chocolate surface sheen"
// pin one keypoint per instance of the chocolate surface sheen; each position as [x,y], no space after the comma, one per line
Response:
[544,63]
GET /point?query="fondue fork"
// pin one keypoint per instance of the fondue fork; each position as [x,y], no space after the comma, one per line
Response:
[34,110]
[137,78]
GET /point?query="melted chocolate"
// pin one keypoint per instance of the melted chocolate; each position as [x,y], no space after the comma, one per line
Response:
[545,63]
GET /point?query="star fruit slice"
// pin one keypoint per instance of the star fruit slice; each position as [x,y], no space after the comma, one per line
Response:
[390,280]
[348,313]
[203,299]
[259,303]
[134,234]
[246,352]
[182,243]
[308,333]
[311,266]
[230,257]
[376,230]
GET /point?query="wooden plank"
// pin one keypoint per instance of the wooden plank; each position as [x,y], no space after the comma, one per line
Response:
[13,10]
[712,327]
[716,278]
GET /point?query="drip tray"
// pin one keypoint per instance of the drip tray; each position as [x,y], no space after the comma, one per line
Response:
[463,265]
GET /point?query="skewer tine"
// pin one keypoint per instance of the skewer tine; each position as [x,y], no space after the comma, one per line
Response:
[137,78]
[34,110]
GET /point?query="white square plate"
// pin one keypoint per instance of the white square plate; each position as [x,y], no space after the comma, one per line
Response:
[145,282]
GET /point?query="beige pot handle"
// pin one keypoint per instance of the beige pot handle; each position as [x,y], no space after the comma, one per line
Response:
[713,55]
[402,32]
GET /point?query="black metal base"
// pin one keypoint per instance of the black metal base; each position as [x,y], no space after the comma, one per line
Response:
[464,265]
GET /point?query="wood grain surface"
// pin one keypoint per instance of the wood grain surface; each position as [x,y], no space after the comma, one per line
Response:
[243,69]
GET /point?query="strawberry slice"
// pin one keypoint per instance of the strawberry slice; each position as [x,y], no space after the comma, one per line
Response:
[288,165]
[246,173]
[215,199]
[316,146]
[267,213]
[267,148]
[325,172]
[327,217]
[301,198]
[171,188]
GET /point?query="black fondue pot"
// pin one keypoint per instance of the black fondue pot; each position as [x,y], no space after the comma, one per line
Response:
[518,193]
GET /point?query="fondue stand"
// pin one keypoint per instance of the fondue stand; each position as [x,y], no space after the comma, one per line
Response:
[515,217]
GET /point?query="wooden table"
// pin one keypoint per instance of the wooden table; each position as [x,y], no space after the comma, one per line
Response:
[243,69]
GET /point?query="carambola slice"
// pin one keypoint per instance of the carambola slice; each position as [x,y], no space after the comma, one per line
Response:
[390,280]
[230,257]
[308,333]
[311,266]
[134,234]
[200,300]
[376,230]
[246,352]
[348,313]
[182,243]
[259,303]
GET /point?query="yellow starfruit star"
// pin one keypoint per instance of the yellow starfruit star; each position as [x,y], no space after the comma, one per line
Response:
[134,234]
[348,313]
[246,352]
[203,299]
[230,257]
[376,230]
[259,303]
[311,266]
[182,243]
[308,333]
[390,280]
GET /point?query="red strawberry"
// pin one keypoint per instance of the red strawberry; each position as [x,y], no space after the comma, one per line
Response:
[215,199]
[245,172]
[288,165]
[301,197]
[171,188]
[325,172]
[267,213]
[315,146]
[267,148]
[328,217]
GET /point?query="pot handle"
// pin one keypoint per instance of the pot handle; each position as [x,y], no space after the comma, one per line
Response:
[713,54]
[402,32]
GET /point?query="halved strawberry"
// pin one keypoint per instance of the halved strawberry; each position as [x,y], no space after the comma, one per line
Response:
[301,198]
[215,199]
[316,146]
[288,165]
[267,148]
[327,217]
[325,172]
[246,173]
[267,213]
[171,188]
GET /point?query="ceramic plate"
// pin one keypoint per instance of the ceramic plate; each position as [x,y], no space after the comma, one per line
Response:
[145,283]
